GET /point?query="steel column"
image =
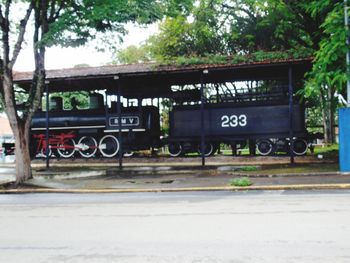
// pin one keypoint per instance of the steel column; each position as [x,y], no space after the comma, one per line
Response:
[47,125]
[291,132]
[202,117]
[119,113]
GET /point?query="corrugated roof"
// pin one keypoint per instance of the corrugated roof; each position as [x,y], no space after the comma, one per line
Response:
[145,68]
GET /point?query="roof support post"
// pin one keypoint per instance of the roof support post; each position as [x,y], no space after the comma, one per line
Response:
[47,149]
[119,113]
[203,73]
[291,108]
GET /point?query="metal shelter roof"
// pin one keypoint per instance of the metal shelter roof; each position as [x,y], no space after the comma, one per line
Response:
[154,80]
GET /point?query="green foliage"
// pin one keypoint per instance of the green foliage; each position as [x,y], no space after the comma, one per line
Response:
[224,27]
[326,148]
[132,54]
[328,75]
[329,65]
[80,21]
[82,97]
[259,56]
[241,182]
[248,168]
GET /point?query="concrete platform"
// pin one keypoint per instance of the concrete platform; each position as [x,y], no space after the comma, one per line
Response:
[184,174]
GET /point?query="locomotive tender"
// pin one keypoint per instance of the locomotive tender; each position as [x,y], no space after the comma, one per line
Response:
[229,124]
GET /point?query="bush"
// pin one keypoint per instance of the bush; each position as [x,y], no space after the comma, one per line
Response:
[244,181]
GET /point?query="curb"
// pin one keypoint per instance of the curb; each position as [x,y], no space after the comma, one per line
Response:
[186,189]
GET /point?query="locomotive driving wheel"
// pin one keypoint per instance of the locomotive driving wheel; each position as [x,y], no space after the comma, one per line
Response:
[43,152]
[109,146]
[87,146]
[175,149]
[67,149]
[264,147]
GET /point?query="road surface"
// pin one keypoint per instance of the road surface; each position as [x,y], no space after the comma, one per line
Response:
[239,227]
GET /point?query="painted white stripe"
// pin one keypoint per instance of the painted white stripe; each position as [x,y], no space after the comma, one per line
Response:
[67,128]
[125,130]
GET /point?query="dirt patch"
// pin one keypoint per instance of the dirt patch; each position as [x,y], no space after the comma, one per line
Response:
[13,185]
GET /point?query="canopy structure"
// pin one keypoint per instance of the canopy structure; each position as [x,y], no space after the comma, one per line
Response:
[151,80]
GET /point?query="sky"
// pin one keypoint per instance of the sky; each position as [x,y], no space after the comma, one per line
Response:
[58,58]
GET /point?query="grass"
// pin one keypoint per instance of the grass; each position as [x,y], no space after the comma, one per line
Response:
[248,169]
[242,182]
[327,151]
[326,148]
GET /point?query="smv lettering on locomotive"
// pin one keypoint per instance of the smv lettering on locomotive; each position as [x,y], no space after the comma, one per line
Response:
[125,121]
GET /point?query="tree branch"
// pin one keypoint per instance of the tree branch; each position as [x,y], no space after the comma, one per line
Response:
[5,37]
[241,9]
[54,14]
[22,30]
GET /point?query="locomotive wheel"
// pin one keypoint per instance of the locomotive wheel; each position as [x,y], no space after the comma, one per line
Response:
[43,152]
[264,147]
[208,149]
[66,152]
[109,146]
[87,146]
[175,149]
[299,147]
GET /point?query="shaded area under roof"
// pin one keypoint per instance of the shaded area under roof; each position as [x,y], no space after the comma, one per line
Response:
[154,80]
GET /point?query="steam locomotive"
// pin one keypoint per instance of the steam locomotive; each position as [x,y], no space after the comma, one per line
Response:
[94,131]
[261,121]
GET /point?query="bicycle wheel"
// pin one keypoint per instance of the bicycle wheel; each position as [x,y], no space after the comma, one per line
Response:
[87,146]
[67,149]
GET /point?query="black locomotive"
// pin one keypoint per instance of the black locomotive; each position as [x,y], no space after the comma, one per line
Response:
[260,119]
[94,131]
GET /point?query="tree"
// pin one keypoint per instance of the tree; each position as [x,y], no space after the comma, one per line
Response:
[228,27]
[132,54]
[328,75]
[64,22]
[225,27]
[179,36]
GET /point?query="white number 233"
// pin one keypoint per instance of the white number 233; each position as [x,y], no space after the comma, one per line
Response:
[233,121]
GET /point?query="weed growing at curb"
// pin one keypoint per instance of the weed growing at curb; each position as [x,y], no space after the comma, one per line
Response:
[248,168]
[244,181]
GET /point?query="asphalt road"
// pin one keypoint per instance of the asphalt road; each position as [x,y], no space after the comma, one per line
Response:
[239,227]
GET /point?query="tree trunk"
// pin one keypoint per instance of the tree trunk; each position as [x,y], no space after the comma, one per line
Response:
[23,161]
[331,114]
[324,118]
[20,130]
